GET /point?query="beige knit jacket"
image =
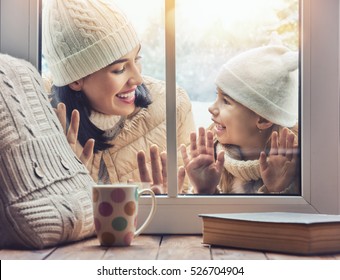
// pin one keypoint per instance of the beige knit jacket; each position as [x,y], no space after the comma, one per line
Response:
[142,129]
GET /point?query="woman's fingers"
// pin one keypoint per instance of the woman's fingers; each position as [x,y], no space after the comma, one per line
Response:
[72,133]
[180,178]
[158,169]
[155,165]
[87,152]
[61,114]
[163,157]
[143,170]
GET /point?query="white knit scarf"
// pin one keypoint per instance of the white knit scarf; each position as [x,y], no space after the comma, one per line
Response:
[246,170]
[103,121]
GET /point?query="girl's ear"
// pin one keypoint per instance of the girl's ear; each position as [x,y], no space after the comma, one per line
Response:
[263,123]
[77,85]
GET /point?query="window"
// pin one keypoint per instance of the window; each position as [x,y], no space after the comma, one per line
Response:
[320,125]
[150,27]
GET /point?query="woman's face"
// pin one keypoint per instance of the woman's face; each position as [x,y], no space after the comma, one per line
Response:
[111,90]
[234,123]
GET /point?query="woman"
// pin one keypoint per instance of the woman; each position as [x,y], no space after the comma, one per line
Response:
[92,52]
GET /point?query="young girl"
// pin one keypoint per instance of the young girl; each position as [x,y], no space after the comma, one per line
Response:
[92,52]
[257,93]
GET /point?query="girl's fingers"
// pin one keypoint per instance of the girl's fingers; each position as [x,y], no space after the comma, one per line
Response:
[201,141]
[274,144]
[193,145]
[263,161]
[283,142]
[290,146]
[295,152]
[210,143]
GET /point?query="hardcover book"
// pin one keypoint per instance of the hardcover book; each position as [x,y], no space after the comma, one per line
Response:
[295,233]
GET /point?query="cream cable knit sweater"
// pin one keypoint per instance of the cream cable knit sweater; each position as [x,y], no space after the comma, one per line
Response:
[45,192]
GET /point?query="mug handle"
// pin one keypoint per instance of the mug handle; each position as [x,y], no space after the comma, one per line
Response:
[152,211]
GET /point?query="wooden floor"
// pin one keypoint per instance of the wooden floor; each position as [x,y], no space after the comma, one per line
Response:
[150,247]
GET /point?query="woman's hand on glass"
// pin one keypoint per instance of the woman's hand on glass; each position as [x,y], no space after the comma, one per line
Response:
[84,154]
[158,179]
[203,171]
[278,169]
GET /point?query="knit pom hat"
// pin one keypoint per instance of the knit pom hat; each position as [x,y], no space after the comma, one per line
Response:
[45,196]
[265,80]
[81,37]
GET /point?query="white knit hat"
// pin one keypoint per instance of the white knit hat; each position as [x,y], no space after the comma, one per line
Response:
[265,80]
[81,37]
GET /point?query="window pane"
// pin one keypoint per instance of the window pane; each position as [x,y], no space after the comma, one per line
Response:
[210,33]
[149,24]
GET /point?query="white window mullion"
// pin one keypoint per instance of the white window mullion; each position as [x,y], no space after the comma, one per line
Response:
[170,69]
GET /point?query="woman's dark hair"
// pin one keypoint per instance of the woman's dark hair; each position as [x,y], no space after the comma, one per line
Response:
[78,100]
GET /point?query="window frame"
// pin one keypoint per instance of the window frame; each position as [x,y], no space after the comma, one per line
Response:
[320,125]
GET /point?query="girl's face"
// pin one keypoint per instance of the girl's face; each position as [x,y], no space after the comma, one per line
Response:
[234,123]
[111,90]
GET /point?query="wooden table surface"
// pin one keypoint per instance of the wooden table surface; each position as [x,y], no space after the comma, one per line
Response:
[150,247]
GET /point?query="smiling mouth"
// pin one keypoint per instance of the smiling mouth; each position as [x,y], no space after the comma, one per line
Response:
[127,97]
[218,126]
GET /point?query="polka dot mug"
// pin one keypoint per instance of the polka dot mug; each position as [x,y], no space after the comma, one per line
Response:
[115,209]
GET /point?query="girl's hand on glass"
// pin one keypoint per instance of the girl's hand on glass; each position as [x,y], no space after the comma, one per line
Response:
[278,169]
[84,154]
[203,171]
